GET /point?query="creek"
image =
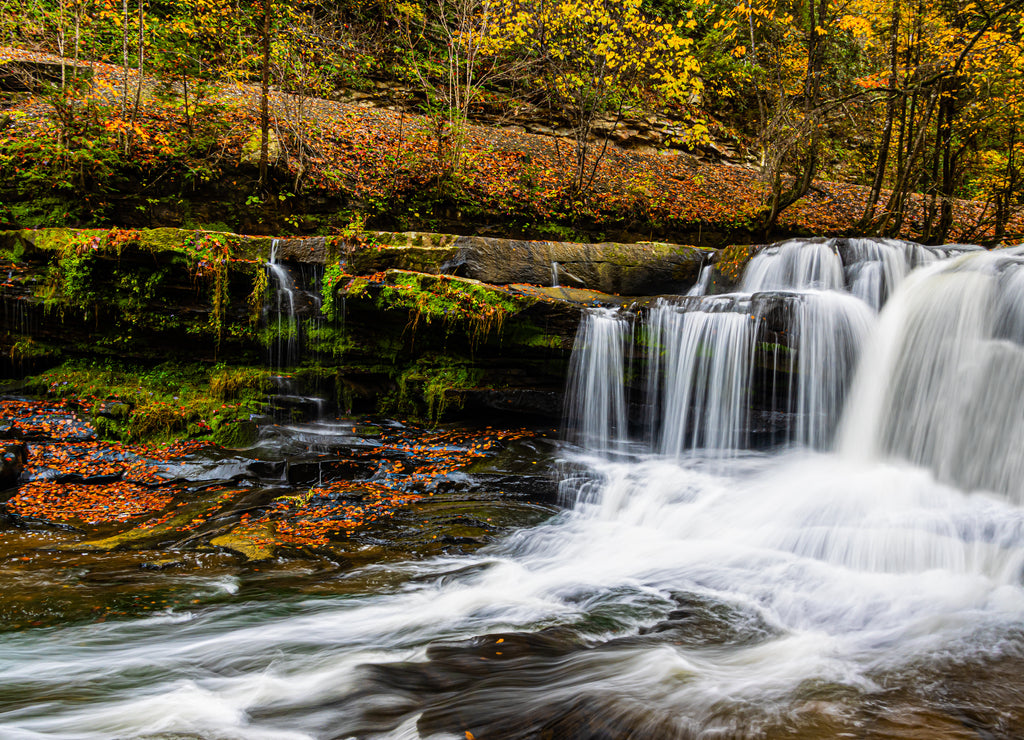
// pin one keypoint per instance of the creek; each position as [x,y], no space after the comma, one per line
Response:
[842,558]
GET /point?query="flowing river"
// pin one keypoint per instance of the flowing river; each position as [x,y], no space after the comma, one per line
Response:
[857,575]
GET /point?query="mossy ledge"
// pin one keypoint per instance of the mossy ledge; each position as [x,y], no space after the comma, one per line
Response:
[395,326]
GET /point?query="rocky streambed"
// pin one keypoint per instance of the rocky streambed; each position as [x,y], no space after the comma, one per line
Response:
[95,529]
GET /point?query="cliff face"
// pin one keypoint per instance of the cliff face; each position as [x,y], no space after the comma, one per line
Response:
[413,324]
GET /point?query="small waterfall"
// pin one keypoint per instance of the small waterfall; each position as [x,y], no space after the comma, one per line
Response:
[595,410]
[795,265]
[775,360]
[283,320]
[830,329]
[875,267]
[703,283]
[554,275]
[698,364]
[942,385]
[291,316]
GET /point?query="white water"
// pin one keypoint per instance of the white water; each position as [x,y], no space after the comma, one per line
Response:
[698,373]
[282,314]
[595,410]
[795,265]
[703,283]
[815,570]
[814,595]
[942,384]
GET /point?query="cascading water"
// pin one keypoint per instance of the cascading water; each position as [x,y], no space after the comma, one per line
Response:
[596,406]
[698,374]
[291,314]
[703,284]
[704,355]
[943,384]
[830,328]
[871,592]
[282,315]
[795,265]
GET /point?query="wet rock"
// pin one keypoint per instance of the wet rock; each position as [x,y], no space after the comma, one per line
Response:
[313,249]
[322,469]
[163,564]
[526,401]
[13,456]
[701,622]
[537,488]
[267,469]
[251,541]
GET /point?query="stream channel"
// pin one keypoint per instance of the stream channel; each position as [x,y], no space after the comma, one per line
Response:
[858,576]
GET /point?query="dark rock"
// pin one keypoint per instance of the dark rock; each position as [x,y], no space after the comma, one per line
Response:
[9,430]
[322,470]
[526,401]
[13,456]
[535,488]
[313,249]
[268,469]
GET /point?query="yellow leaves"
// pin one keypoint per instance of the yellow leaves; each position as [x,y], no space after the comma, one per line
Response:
[410,11]
[856,26]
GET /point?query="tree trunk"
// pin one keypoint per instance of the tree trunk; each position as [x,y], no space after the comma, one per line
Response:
[265,96]
[890,116]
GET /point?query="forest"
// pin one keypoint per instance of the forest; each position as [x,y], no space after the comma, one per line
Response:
[527,118]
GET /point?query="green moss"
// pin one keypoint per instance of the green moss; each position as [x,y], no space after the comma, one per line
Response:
[476,308]
[330,340]
[164,402]
[733,259]
[228,383]
[430,386]
[333,274]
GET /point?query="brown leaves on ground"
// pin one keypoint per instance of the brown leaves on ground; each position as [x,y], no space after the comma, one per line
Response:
[385,157]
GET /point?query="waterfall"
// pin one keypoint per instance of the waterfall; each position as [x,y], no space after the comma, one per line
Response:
[699,372]
[292,315]
[830,329]
[283,321]
[795,265]
[703,283]
[942,384]
[595,410]
[782,352]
